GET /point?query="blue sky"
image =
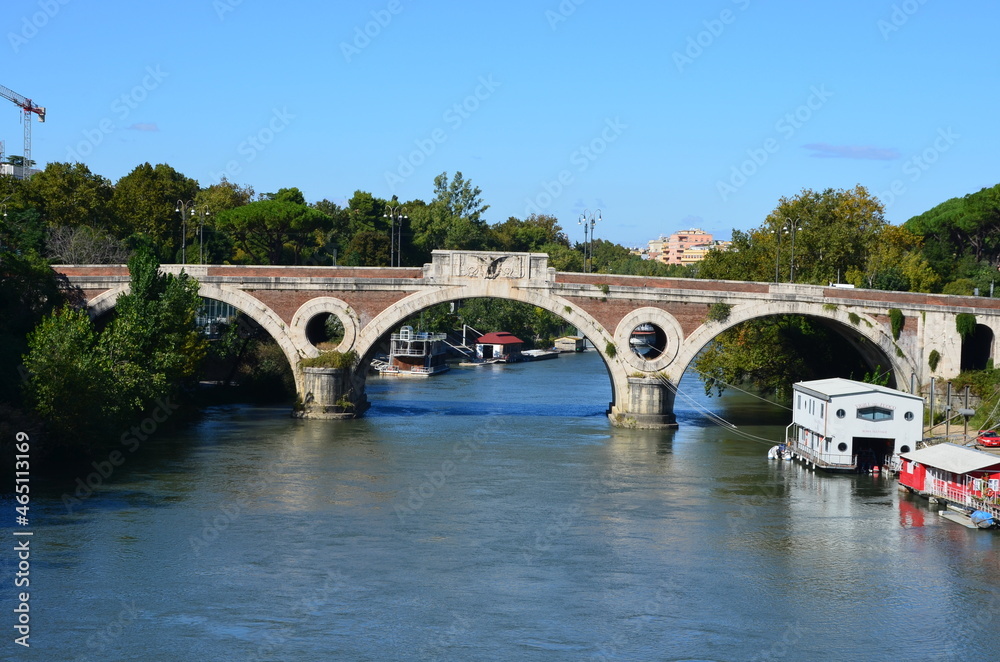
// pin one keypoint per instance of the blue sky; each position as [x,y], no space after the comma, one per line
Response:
[664,115]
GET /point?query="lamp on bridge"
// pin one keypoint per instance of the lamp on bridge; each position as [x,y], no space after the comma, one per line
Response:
[588,244]
[185,209]
[395,216]
[201,231]
[793,226]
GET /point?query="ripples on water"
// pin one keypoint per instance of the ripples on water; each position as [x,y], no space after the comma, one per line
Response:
[493,513]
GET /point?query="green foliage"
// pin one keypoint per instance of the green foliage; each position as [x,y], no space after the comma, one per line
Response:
[719,312]
[933,359]
[611,350]
[144,204]
[896,321]
[961,233]
[29,290]
[68,194]
[604,288]
[534,325]
[831,307]
[854,318]
[772,353]
[965,324]
[274,231]
[833,231]
[878,377]
[84,385]
[334,359]
[71,379]
[960,286]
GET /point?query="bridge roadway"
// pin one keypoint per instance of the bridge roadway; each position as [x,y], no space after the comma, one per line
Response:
[372,301]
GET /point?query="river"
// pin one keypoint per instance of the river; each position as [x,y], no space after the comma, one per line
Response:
[493,513]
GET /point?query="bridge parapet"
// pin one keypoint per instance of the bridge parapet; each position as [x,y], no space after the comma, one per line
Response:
[463,266]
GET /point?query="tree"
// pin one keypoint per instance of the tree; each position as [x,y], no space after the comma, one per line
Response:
[152,343]
[529,235]
[459,198]
[29,290]
[145,205]
[70,195]
[961,236]
[69,378]
[895,263]
[772,353]
[527,322]
[273,231]
[84,245]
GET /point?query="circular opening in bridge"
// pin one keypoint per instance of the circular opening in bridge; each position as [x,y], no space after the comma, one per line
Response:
[648,341]
[325,331]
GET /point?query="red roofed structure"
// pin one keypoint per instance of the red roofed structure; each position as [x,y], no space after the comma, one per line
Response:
[499,346]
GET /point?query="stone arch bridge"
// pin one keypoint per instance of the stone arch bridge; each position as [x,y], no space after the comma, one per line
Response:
[685,315]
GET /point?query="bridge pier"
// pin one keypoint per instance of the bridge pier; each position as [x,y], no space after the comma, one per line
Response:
[649,405]
[331,393]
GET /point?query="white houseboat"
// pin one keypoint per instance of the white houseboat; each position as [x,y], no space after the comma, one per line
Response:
[414,354]
[845,425]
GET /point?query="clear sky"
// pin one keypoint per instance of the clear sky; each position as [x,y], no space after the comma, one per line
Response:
[663,115]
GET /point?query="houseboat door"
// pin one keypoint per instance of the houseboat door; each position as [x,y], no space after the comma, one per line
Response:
[872,452]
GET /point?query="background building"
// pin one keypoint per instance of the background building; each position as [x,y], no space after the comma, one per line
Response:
[684,247]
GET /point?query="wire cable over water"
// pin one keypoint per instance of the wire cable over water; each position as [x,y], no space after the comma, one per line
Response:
[715,418]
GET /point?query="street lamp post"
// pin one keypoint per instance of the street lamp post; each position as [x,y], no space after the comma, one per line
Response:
[395,216]
[792,225]
[201,232]
[185,209]
[588,244]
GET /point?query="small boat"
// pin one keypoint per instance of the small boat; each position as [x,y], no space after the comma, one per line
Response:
[643,339]
[982,519]
[539,354]
[779,452]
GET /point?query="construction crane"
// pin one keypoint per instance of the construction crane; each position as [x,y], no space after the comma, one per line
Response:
[28,106]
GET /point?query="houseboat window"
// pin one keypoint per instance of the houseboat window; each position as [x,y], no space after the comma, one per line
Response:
[821,408]
[908,415]
[841,413]
[904,449]
[800,402]
[841,447]
[875,414]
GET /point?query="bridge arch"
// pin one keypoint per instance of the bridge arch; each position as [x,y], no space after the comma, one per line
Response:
[881,344]
[350,320]
[589,327]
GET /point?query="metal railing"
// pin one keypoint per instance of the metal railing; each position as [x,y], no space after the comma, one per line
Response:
[963,496]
